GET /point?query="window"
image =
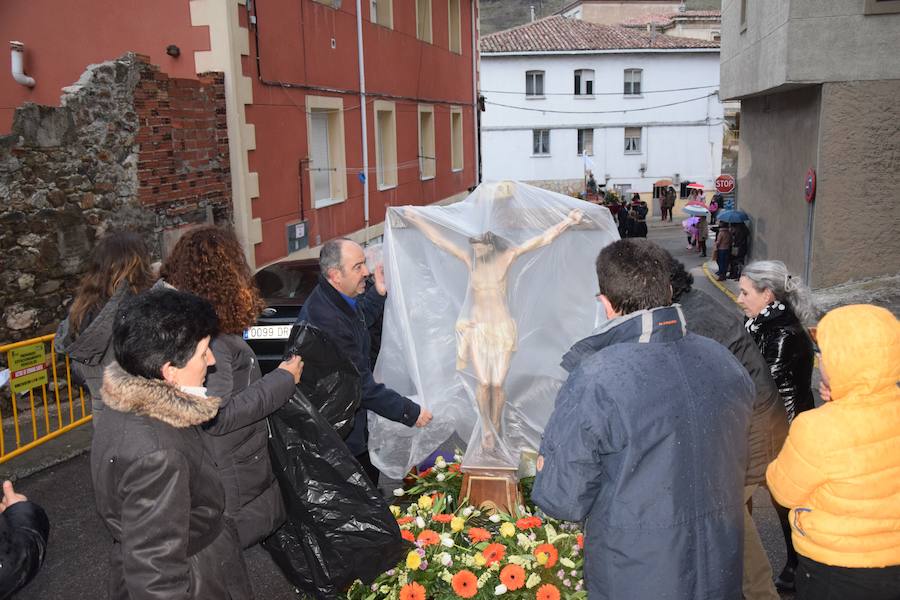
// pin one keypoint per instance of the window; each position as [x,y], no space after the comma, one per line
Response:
[327,161]
[881,7]
[632,140]
[456,139]
[584,82]
[541,142]
[423,20]
[586,142]
[685,191]
[383,12]
[426,142]
[633,82]
[454,27]
[534,83]
[385,144]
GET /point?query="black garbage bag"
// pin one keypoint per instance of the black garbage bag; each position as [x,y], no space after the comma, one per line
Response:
[330,380]
[339,527]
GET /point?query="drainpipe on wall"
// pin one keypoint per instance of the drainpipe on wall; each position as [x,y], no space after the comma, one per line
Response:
[476,106]
[362,116]
[17,52]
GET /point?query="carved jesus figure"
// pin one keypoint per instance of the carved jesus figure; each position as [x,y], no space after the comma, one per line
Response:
[487,335]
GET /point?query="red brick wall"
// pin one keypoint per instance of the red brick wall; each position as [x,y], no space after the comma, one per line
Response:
[183,143]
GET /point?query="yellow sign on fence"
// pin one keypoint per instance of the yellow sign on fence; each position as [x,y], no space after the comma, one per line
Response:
[27,367]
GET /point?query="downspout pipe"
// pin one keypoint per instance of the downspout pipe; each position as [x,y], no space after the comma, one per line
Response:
[17,56]
[476,106]
[362,116]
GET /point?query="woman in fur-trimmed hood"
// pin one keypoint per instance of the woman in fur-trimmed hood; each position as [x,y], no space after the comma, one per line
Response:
[156,488]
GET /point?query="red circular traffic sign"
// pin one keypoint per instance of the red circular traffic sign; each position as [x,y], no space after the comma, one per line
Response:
[809,185]
[724,184]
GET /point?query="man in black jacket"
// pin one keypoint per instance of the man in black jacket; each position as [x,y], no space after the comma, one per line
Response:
[768,424]
[342,308]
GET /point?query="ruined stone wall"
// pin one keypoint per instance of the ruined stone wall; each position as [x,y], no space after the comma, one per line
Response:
[129,148]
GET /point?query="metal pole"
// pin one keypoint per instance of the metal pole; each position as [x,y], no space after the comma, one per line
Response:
[362,116]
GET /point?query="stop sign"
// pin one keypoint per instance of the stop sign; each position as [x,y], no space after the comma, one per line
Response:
[724,184]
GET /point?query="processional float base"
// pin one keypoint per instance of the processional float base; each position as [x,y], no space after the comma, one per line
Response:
[492,489]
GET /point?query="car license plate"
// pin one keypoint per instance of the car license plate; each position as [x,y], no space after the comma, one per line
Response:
[268,332]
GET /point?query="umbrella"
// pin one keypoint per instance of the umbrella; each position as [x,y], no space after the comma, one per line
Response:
[733,216]
[693,209]
[690,222]
[695,186]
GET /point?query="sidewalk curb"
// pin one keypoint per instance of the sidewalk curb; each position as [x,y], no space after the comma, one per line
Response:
[718,283]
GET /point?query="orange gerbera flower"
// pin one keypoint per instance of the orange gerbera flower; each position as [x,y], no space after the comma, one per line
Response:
[429,538]
[547,591]
[425,473]
[512,576]
[494,553]
[443,518]
[528,522]
[454,468]
[549,550]
[412,591]
[580,541]
[477,534]
[405,520]
[407,535]
[465,584]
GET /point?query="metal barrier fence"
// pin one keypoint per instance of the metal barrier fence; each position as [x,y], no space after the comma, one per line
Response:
[33,373]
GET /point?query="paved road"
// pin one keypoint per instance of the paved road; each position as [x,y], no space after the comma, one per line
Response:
[76,562]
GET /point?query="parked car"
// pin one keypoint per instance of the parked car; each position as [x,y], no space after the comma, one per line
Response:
[284,287]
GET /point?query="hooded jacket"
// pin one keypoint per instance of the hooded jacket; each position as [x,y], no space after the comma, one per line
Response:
[788,351]
[159,495]
[839,470]
[652,459]
[91,349]
[769,424]
[348,328]
[238,436]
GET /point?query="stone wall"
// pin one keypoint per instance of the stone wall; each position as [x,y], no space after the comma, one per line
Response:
[129,148]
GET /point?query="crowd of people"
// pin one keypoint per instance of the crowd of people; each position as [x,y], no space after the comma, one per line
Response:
[661,464]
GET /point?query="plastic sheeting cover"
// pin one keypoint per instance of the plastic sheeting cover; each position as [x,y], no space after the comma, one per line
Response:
[476,323]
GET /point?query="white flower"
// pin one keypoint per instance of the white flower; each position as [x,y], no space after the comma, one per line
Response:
[500,590]
[447,541]
[399,492]
[494,518]
[468,511]
[446,559]
[420,522]
[441,477]
[440,463]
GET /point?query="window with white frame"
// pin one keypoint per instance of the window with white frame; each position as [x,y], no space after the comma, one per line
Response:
[540,142]
[427,157]
[383,12]
[454,28]
[534,83]
[633,82]
[584,82]
[423,20]
[385,144]
[586,142]
[327,160]
[632,140]
[456,138]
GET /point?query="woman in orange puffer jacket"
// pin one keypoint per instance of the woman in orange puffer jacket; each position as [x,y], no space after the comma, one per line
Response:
[839,470]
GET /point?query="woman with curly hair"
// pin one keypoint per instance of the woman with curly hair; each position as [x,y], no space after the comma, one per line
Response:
[119,267]
[209,262]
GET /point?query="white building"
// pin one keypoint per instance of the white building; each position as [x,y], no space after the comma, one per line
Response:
[644,107]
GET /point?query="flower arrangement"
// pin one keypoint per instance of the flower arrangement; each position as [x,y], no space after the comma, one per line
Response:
[463,553]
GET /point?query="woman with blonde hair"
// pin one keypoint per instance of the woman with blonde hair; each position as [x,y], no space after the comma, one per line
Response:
[119,267]
[777,304]
[209,262]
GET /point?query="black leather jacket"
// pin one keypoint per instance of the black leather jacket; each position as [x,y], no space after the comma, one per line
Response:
[23,541]
[788,350]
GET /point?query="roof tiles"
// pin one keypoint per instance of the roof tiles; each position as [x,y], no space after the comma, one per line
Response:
[560,34]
